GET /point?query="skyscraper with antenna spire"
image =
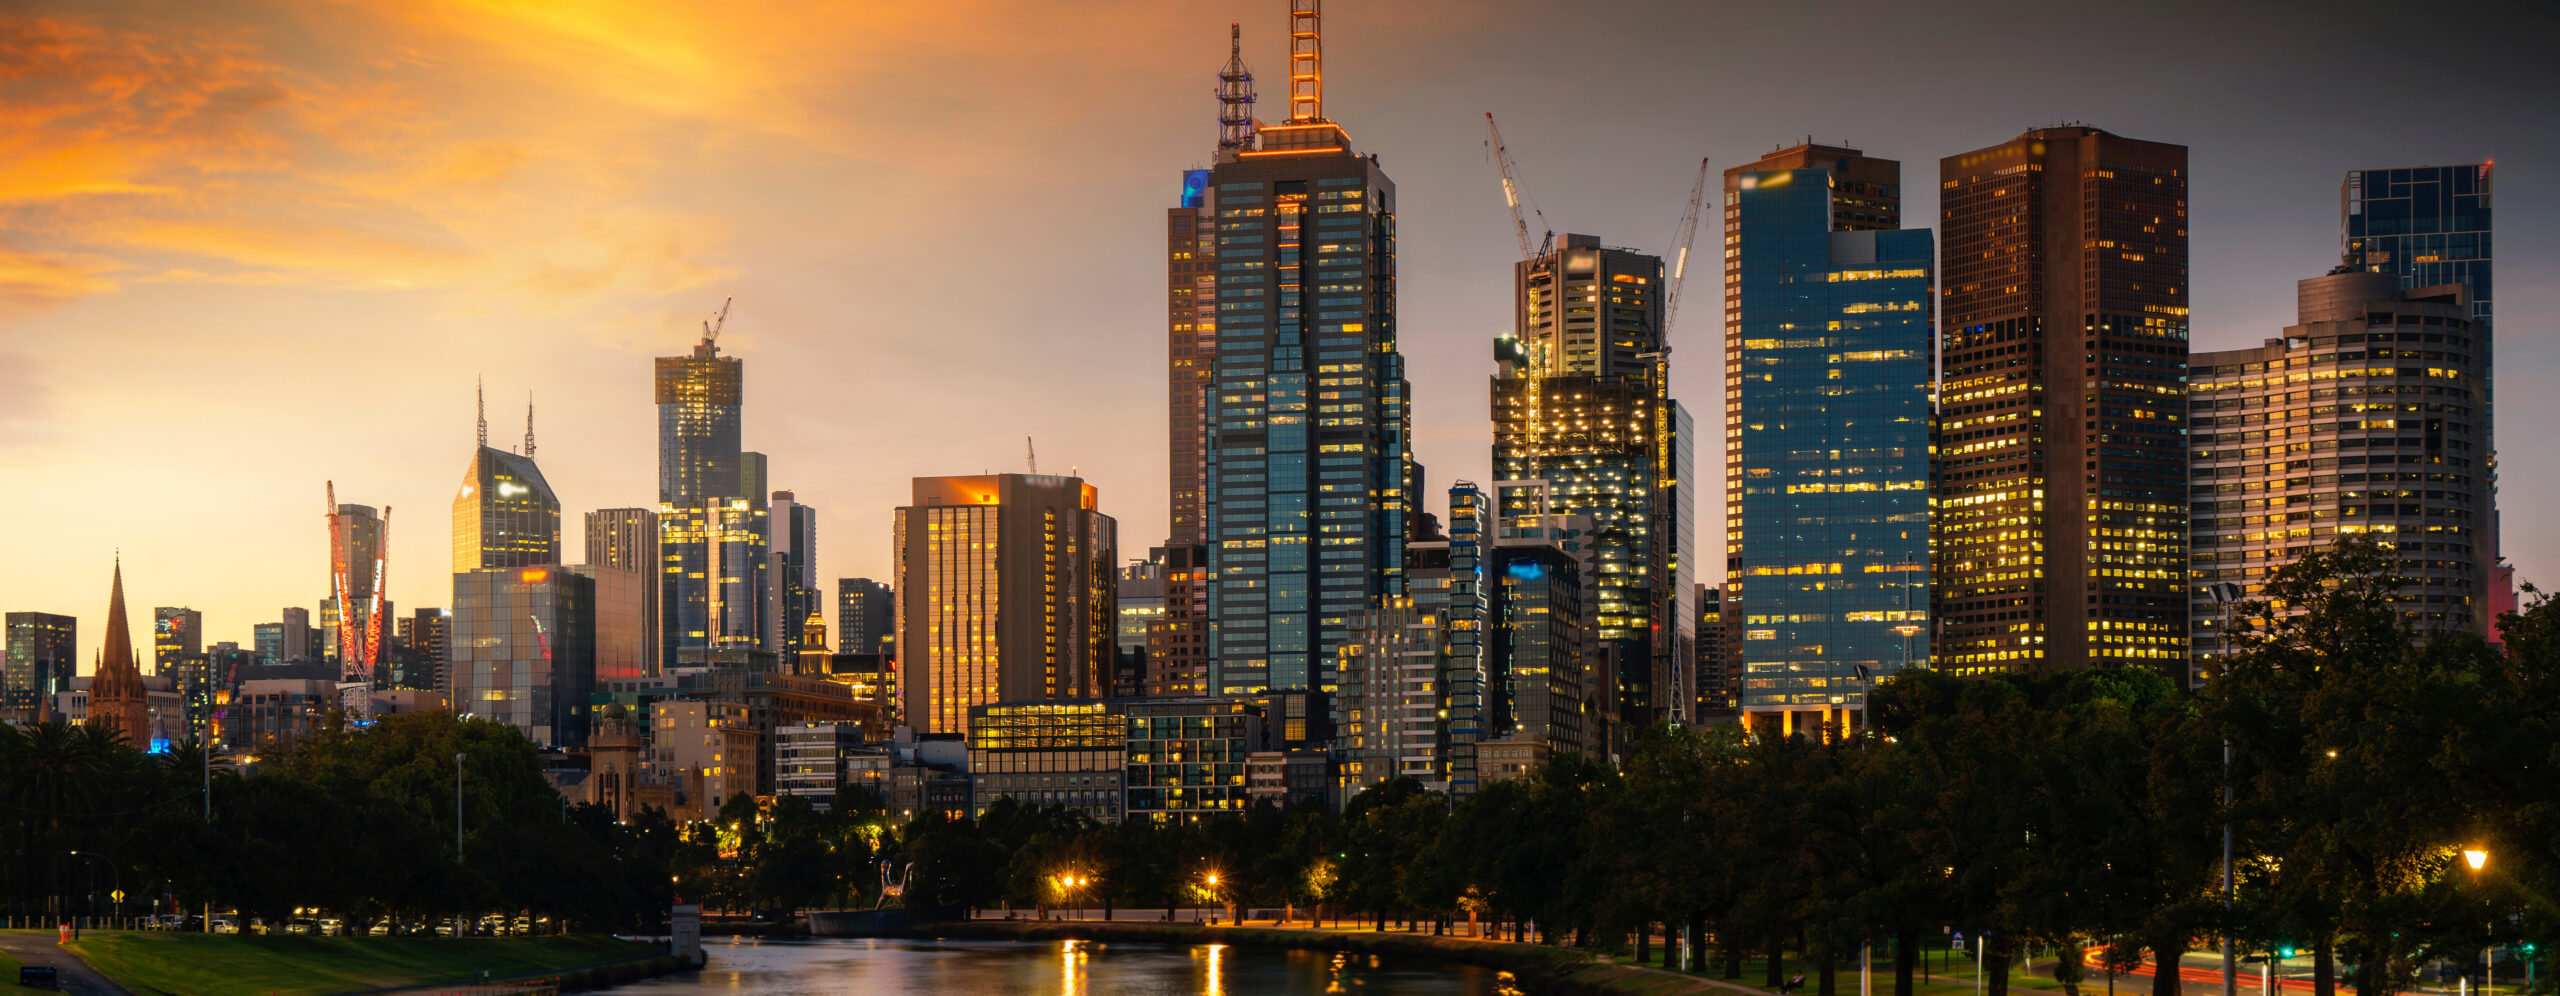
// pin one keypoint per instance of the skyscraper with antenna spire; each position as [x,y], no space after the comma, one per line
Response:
[1306,477]
[505,515]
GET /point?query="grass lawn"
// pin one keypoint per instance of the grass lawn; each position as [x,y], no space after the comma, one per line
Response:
[8,969]
[150,962]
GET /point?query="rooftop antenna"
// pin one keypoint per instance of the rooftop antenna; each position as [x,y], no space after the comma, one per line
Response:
[480,398]
[528,425]
[1235,98]
[1306,62]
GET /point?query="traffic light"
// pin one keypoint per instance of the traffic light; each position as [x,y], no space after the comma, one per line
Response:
[2285,951]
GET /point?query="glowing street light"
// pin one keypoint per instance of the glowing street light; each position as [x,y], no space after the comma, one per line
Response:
[2477,859]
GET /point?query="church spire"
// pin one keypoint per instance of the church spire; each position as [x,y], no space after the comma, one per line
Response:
[116,696]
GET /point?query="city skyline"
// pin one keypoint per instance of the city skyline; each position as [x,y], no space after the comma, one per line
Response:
[217,302]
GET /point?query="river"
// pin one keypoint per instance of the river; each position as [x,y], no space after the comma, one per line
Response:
[1061,968]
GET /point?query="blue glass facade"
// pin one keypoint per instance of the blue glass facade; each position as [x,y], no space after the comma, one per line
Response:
[1309,475]
[2427,225]
[1829,469]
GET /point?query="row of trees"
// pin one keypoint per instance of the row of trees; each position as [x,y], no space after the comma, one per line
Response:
[2067,811]
[360,823]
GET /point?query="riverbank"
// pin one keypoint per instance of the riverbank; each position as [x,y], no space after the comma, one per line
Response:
[1537,967]
[150,962]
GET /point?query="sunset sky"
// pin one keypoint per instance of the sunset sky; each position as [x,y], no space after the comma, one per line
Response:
[249,247]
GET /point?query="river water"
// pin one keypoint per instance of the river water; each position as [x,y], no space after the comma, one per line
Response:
[1061,968]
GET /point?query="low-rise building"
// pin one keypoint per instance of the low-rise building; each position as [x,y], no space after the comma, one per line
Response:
[1289,778]
[810,759]
[1049,753]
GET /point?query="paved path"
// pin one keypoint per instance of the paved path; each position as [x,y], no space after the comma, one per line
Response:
[35,947]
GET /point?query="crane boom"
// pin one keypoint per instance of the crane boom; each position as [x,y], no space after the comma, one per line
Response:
[1680,249]
[711,326]
[1511,194]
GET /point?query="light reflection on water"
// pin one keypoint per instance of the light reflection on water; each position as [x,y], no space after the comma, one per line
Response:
[1061,968]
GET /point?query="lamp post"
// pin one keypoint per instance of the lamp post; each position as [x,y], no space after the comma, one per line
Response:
[2479,859]
[457,831]
[1213,895]
[2225,595]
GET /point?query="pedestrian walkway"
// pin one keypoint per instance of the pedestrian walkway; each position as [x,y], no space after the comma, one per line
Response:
[42,947]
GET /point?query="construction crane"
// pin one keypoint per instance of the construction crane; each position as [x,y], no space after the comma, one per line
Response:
[1031,453]
[1680,250]
[711,326]
[1511,194]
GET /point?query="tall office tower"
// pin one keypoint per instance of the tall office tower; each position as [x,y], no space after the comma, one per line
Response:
[2429,226]
[1178,643]
[430,636]
[357,545]
[699,399]
[1535,644]
[1719,684]
[1004,594]
[301,639]
[796,594]
[713,584]
[2061,493]
[1469,696]
[1583,427]
[117,699]
[713,554]
[623,641]
[176,633]
[1828,360]
[522,650]
[1308,477]
[1140,609]
[42,652]
[865,621]
[2426,226]
[627,539]
[506,514]
[2367,418]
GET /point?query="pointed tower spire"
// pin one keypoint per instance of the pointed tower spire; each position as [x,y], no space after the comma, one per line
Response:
[1235,98]
[528,425]
[1306,62]
[116,697]
[480,398]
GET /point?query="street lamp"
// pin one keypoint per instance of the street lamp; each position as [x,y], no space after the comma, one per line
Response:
[2476,858]
[1213,892]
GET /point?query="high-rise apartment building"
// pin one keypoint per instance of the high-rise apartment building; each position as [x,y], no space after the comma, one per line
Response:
[1004,592]
[626,539]
[1828,367]
[266,641]
[2365,419]
[796,593]
[1719,682]
[2061,494]
[42,653]
[866,622]
[176,633]
[1584,427]
[522,650]
[1308,478]
[427,632]
[1141,608]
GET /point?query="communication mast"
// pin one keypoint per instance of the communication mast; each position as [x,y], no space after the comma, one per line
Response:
[1235,98]
[1306,62]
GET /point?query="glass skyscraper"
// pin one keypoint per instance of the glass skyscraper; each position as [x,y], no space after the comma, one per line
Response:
[1827,458]
[1583,426]
[1308,478]
[2425,225]
[39,658]
[505,515]
[699,398]
[522,650]
[714,529]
